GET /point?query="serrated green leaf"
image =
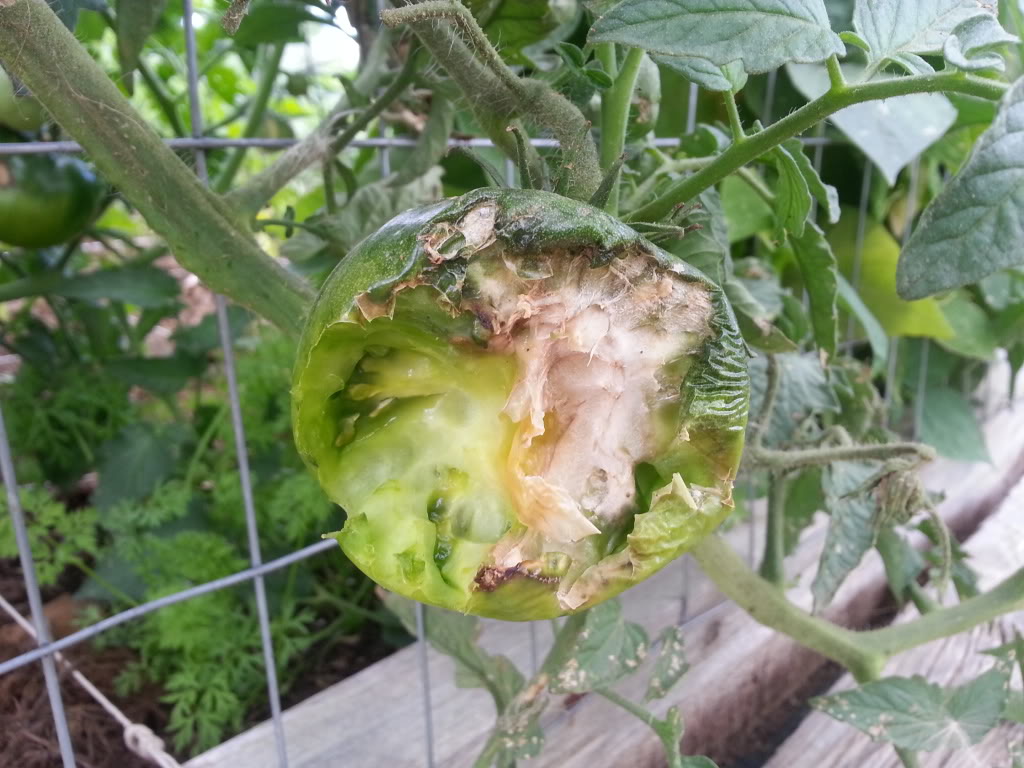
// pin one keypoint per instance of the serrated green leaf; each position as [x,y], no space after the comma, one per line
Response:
[891,132]
[825,194]
[136,20]
[670,666]
[160,375]
[276,21]
[902,562]
[135,462]
[728,77]
[973,332]
[915,714]
[975,226]
[792,195]
[143,286]
[455,635]
[605,650]
[895,27]
[948,423]
[513,25]
[849,534]
[746,212]
[818,268]
[970,44]
[877,281]
[762,34]
[803,390]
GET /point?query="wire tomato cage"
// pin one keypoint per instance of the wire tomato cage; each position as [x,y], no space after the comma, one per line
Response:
[48,652]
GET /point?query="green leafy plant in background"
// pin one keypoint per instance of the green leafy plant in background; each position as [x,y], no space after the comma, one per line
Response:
[923,90]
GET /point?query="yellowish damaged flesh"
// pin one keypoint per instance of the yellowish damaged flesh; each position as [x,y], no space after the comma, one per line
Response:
[599,350]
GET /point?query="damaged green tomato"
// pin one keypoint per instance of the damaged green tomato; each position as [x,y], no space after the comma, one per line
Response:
[523,406]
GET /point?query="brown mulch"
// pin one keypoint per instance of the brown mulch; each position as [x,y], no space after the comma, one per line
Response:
[27,733]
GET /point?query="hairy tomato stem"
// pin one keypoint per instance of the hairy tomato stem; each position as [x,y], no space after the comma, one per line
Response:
[835,99]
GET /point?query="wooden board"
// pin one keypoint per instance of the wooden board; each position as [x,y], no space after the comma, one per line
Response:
[739,670]
[996,551]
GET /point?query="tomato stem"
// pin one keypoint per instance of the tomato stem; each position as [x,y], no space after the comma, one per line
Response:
[836,98]
[615,103]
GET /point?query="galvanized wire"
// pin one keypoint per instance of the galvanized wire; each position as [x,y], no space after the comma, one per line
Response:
[35,597]
[135,612]
[237,426]
[205,142]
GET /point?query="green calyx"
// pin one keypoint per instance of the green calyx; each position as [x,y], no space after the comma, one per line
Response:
[523,406]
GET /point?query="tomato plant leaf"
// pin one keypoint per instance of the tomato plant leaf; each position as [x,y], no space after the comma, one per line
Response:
[670,666]
[761,34]
[603,652]
[849,533]
[706,242]
[970,44]
[792,195]
[902,562]
[803,390]
[432,144]
[697,761]
[135,462]
[455,635]
[160,375]
[891,132]
[136,20]
[914,714]
[143,286]
[975,226]
[276,21]
[876,281]
[973,332]
[818,267]
[825,194]
[892,28]
[746,212]
[948,423]
[852,303]
[513,25]
[728,77]
[518,727]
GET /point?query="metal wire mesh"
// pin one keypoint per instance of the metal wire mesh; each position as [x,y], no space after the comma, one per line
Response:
[200,144]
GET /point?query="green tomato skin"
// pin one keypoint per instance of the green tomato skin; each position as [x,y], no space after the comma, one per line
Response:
[22,113]
[46,199]
[379,476]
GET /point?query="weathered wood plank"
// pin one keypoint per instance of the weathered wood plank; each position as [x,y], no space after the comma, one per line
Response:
[996,551]
[739,668]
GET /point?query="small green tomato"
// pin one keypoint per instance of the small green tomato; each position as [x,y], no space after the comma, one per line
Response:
[523,406]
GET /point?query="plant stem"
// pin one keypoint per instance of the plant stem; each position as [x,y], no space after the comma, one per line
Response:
[773,568]
[669,730]
[270,64]
[615,104]
[735,124]
[764,418]
[835,72]
[205,234]
[606,54]
[252,196]
[581,168]
[289,223]
[769,606]
[777,459]
[836,98]
[1006,597]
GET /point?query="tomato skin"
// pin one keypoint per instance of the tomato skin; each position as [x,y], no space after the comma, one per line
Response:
[46,199]
[22,113]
